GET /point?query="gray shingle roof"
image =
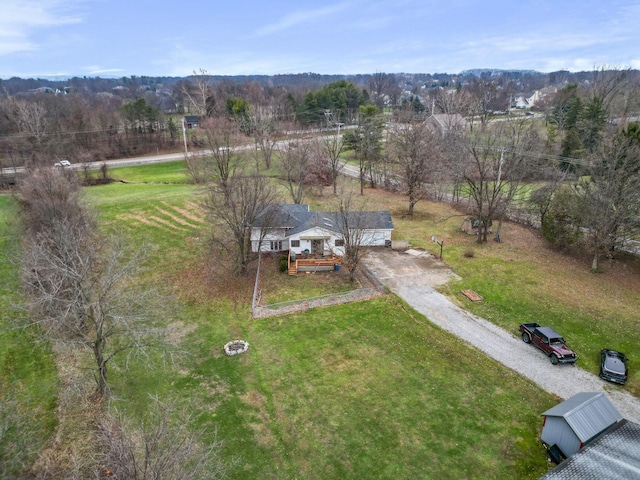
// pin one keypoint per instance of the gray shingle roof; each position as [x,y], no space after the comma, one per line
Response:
[298,218]
[613,456]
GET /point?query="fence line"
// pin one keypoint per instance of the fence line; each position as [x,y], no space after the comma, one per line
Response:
[293,306]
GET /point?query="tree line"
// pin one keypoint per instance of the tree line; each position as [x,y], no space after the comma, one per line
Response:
[398,140]
[87,297]
[93,119]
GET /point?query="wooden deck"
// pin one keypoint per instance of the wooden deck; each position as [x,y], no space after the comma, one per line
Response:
[311,264]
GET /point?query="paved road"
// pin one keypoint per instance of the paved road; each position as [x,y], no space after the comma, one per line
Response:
[413,276]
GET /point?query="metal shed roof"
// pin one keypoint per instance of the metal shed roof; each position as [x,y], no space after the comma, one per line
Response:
[587,413]
[613,456]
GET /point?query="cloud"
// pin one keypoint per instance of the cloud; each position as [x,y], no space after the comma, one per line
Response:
[561,42]
[300,17]
[96,70]
[21,21]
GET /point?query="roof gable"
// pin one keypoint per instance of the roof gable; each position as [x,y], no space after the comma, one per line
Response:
[587,413]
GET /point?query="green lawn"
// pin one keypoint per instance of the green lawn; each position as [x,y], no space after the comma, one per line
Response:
[333,393]
[356,391]
[166,172]
[27,371]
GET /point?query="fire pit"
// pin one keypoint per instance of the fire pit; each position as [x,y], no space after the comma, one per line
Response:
[236,347]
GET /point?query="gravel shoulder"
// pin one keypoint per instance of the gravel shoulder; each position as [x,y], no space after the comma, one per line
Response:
[413,276]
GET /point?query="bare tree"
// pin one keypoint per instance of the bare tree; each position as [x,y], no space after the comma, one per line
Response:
[199,94]
[30,117]
[494,170]
[320,174]
[82,291]
[80,287]
[485,99]
[451,101]
[236,208]
[417,149]
[351,223]
[214,163]
[541,198]
[260,123]
[366,142]
[615,91]
[332,147]
[294,165]
[610,194]
[383,89]
[165,446]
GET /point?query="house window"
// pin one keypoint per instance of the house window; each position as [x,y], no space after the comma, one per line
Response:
[339,242]
[276,245]
[295,243]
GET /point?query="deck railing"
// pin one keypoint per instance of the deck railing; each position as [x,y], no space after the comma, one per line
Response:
[306,263]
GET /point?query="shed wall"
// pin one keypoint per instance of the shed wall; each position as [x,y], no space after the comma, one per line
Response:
[556,431]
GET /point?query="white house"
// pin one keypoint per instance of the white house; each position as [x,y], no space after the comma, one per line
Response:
[296,228]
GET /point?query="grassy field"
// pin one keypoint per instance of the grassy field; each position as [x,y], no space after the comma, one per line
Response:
[523,279]
[365,390]
[28,377]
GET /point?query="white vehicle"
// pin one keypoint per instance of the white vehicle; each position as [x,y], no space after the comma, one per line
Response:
[62,163]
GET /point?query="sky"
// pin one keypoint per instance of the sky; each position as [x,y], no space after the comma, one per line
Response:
[117,38]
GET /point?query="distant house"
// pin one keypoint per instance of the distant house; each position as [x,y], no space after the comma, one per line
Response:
[447,123]
[43,90]
[299,230]
[525,102]
[520,102]
[572,424]
[192,121]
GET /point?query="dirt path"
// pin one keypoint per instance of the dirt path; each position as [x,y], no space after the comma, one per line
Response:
[414,274]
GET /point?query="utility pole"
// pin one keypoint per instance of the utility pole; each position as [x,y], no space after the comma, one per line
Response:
[497,237]
[184,137]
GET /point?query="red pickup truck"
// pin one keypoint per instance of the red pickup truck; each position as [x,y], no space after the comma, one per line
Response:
[549,341]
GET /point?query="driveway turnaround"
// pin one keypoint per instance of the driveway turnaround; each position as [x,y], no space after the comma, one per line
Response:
[413,276]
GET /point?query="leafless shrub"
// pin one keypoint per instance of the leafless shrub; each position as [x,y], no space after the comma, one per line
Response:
[162,447]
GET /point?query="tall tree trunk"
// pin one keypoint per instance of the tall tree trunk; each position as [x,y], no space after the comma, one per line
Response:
[497,237]
[102,387]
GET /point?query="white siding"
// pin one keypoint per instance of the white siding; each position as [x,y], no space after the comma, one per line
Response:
[370,238]
[375,238]
[305,240]
[275,234]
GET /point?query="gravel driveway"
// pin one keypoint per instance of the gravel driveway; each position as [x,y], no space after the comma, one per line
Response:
[413,276]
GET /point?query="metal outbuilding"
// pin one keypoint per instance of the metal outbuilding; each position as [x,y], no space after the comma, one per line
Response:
[572,424]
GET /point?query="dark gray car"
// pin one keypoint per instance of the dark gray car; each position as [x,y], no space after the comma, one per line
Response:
[613,366]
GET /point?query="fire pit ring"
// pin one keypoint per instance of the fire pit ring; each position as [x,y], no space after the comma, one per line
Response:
[236,347]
